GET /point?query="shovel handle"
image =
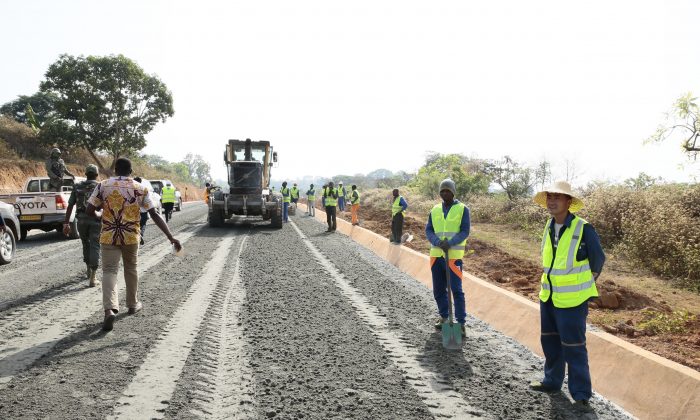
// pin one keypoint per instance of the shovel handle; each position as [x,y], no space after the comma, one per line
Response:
[449,288]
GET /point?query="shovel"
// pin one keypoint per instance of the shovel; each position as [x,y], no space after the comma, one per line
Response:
[451,332]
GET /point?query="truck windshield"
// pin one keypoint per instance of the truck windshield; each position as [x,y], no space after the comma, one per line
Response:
[258,154]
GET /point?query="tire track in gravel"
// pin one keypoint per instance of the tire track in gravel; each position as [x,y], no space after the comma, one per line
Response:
[31,333]
[493,370]
[148,394]
[435,391]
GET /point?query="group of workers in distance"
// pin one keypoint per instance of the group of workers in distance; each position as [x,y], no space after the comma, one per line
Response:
[572,260]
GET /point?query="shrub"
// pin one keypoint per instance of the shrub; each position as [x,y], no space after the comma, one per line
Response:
[656,322]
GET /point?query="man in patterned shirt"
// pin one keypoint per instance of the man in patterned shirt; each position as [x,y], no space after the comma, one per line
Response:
[121,198]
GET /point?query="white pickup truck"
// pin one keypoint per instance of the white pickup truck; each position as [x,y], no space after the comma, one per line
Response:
[38,208]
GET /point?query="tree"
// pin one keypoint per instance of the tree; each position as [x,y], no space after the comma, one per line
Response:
[543,174]
[462,170]
[110,102]
[684,118]
[516,180]
[642,182]
[41,105]
[199,169]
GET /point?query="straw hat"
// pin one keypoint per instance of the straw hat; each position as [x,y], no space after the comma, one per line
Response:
[559,187]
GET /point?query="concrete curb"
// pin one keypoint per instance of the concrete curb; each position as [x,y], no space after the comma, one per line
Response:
[644,384]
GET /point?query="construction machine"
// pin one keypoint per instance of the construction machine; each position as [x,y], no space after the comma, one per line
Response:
[249,164]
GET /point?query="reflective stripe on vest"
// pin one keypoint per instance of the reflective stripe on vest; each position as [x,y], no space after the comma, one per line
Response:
[295,192]
[330,200]
[168,195]
[448,229]
[285,195]
[396,207]
[572,281]
[355,200]
[311,195]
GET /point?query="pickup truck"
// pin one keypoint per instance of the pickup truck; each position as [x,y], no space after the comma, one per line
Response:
[39,208]
[8,239]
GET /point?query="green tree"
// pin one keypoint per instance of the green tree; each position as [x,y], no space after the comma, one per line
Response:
[683,118]
[642,182]
[110,102]
[41,105]
[516,180]
[199,169]
[462,170]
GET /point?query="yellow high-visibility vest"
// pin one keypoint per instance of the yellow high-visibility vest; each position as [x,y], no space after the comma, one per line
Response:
[396,207]
[285,195]
[330,200]
[567,281]
[447,228]
[168,195]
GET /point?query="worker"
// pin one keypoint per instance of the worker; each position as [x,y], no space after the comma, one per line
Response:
[398,208]
[311,201]
[447,231]
[206,192]
[88,227]
[341,196]
[295,193]
[330,195]
[120,197]
[323,195]
[56,168]
[355,205]
[168,200]
[567,284]
[144,213]
[286,199]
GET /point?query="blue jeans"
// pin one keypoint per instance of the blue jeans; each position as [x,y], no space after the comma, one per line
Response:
[285,212]
[341,203]
[440,288]
[564,343]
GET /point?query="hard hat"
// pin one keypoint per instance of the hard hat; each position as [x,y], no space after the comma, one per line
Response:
[91,169]
[55,152]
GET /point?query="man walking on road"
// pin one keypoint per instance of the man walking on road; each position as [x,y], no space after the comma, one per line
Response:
[286,199]
[355,203]
[330,196]
[311,201]
[88,227]
[144,215]
[168,200]
[398,208]
[120,198]
[447,231]
[567,284]
[341,196]
[56,168]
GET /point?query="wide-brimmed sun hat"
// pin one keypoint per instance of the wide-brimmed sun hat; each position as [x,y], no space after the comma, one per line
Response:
[559,187]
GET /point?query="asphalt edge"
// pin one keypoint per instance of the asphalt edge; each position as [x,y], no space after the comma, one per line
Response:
[643,383]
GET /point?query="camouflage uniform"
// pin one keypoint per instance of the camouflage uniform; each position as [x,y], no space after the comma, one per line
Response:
[55,167]
[88,227]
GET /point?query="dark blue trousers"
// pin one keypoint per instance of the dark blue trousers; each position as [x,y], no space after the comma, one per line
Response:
[440,288]
[564,343]
[285,212]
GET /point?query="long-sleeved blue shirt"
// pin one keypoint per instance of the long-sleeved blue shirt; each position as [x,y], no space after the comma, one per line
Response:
[590,244]
[463,226]
[402,202]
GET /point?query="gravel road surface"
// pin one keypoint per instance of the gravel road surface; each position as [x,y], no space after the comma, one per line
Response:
[252,323]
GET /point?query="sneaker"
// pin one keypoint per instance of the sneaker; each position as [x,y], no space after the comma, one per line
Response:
[136,308]
[583,406]
[141,242]
[91,277]
[539,386]
[108,323]
[439,322]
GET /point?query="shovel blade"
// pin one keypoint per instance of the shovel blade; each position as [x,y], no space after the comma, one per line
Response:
[451,336]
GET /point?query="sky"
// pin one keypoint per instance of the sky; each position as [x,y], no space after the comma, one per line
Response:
[350,87]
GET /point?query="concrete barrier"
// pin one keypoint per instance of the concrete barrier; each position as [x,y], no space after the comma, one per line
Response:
[645,384]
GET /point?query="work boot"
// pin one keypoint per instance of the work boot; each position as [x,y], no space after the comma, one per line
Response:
[91,277]
[439,322]
[539,386]
[583,406]
[108,324]
[463,330]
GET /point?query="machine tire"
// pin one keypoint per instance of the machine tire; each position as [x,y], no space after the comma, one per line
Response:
[74,230]
[276,219]
[216,218]
[8,246]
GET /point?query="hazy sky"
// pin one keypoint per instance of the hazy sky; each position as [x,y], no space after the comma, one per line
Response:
[349,87]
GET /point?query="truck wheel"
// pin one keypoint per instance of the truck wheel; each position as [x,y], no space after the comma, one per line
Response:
[74,230]
[8,245]
[23,233]
[216,218]
[276,219]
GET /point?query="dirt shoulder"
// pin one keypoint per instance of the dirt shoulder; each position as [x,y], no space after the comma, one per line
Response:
[634,305]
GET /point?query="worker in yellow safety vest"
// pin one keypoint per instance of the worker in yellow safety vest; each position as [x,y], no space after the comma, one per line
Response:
[168,199]
[330,197]
[398,208]
[572,260]
[355,206]
[286,199]
[447,231]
